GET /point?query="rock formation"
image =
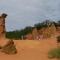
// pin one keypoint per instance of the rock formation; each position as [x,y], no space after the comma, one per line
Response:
[2,25]
[9,48]
[35,34]
[6,47]
[48,31]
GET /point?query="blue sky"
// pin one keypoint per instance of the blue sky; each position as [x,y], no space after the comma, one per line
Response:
[22,13]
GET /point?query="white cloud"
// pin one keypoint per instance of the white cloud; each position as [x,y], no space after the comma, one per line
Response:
[28,12]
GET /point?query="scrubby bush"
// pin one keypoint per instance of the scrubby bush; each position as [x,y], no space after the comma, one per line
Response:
[54,53]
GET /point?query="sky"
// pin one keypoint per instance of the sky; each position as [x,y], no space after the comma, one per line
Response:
[22,13]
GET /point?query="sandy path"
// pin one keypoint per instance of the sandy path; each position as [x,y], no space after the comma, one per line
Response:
[31,50]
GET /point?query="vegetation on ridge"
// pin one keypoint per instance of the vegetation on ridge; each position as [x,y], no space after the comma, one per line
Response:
[18,34]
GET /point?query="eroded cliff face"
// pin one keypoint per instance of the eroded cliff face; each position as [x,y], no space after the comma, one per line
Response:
[2,25]
[43,33]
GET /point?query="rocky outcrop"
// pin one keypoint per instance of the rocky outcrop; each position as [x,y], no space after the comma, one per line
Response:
[48,31]
[45,32]
[9,48]
[35,34]
[2,25]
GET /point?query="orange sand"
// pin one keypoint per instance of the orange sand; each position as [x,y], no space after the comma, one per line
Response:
[30,49]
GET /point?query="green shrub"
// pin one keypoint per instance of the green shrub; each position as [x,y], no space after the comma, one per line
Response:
[54,53]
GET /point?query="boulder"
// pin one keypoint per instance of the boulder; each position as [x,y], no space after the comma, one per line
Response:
[9,48]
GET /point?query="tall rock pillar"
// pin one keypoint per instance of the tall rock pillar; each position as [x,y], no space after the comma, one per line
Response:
[2,25]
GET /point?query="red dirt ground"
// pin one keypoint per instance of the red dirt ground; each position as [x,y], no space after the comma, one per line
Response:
[30,49]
